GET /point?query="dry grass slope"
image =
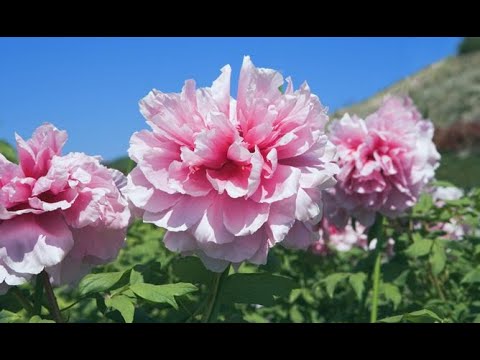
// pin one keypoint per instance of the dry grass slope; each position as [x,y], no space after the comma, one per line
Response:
[446,92]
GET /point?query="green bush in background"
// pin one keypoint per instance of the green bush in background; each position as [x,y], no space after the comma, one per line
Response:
[469,45]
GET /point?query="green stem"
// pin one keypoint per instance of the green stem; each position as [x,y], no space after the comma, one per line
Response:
[22,299]
[435,283]
[376,232]
[38,296]
[210,314]
[52,300]
[376,286]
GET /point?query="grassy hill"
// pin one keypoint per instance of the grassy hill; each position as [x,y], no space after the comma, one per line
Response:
[8,151]
[446,91]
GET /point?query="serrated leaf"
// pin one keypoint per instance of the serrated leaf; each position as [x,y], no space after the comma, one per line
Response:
[392,293]
[190,269]
[38,320]
[99,282]
[332,280]
[438,258]
[124,305]
[163,293]
[256,288]
[419,248]
[357,281]
[472,277]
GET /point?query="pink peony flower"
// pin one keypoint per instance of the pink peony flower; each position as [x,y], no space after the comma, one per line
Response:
[385,162]
[230,179]
[63,214]
[340,239]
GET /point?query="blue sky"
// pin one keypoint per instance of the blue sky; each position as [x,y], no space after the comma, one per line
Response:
[91,86]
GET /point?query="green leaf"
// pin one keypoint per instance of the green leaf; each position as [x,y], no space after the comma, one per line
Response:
[124,305]
[392,319]
[163,293]
[392,293]
[332,280]
[190,269]
[9,317]
[419,248]
[99,282]
[422,316]
[256,288]
[135,277]
[7,150]
[38,320]
[423,205]
[472,277]
[294,295]
[358,283]
[307,295]
[438,258]
[295,315]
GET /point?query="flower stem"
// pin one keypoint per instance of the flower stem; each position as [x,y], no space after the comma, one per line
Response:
[376,232]
[376,286]
[52,300]
[210,314]
[38,296]
[22,299]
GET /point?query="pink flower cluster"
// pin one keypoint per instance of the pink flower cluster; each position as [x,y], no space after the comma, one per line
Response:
[346,238]
[230,178]
[340,239]
[454,229]
[63,214]
[385,160]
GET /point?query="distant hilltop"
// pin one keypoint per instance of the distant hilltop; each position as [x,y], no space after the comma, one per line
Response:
[446,92]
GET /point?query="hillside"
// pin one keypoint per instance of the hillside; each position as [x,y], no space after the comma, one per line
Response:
[8,151]
[446,92]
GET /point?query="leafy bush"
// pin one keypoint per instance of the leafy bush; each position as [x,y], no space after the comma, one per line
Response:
[469,45]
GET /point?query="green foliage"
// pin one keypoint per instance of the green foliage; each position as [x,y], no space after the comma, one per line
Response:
[162,293]
[99,282]
[256,288]
[469,45]
[8,151]
[428,279]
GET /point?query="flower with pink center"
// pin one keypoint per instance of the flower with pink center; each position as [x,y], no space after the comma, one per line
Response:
[231,178]
[385,162]
[340,239]
[62,214]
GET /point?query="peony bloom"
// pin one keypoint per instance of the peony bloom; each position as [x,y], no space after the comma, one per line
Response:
[340,239]
[385,162]
[440,194]
[230,179]
[454,229]
[63,214]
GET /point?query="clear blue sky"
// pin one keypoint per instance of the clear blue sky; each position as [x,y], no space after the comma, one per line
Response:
[91,86]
